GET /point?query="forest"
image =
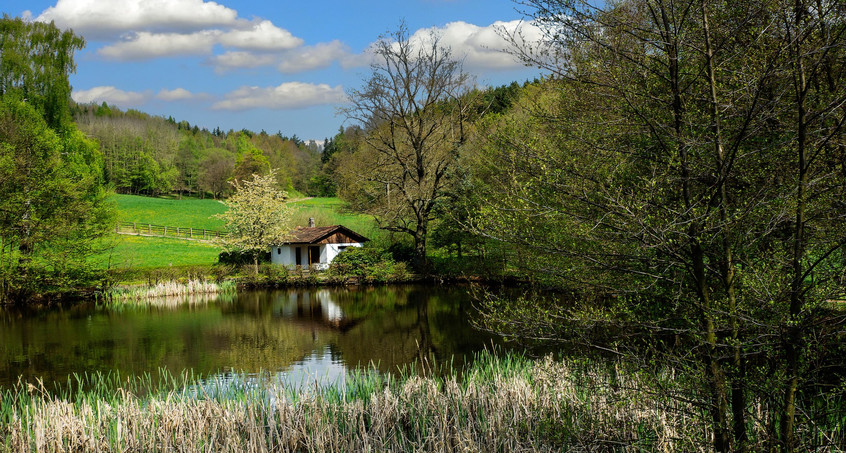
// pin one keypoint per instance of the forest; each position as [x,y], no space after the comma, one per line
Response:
[679,171]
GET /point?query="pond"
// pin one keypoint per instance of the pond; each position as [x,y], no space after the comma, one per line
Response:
[306,333]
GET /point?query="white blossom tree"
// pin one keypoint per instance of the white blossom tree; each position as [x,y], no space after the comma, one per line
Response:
[258,216]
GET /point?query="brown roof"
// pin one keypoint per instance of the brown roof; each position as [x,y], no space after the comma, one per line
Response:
[314,235]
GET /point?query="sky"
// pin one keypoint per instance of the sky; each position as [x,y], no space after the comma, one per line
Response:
[273,65]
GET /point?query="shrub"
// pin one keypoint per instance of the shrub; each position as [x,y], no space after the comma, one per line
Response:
[370,264]
[237,258]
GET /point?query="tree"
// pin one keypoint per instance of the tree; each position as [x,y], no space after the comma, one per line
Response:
[216,169]
[53,208]
[670,160]
[54,205]
[412,110]
[258,216]
[35,61]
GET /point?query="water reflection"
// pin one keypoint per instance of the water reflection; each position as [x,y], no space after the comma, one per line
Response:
[303,333]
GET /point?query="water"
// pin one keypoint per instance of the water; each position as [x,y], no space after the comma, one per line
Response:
[301,334]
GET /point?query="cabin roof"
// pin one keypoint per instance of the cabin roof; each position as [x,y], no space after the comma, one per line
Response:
[314,235]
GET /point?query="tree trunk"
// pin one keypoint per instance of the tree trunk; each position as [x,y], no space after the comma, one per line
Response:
[738,390]
[420,262]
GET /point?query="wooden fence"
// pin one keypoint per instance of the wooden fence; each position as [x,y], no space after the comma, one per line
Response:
[149,229]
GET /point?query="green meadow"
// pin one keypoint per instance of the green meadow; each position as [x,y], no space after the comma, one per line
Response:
[172,212]
[145,252]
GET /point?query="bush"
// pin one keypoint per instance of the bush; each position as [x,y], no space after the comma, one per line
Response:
[370,264]
[241,258]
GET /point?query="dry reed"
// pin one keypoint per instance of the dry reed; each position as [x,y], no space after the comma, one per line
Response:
[498,405]
[169,292]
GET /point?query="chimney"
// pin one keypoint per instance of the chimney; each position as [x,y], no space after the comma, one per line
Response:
[311,222]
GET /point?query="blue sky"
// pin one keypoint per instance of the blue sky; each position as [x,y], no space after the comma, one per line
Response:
[261,65]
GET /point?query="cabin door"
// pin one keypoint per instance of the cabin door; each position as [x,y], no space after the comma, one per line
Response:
[298,256]
[313,254]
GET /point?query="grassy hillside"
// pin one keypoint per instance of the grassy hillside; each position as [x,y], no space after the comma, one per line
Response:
[330,211]
[187,212]
[141,252]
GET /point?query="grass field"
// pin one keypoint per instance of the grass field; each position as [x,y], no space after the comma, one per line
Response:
[186,213]
[141,252]
[331,211]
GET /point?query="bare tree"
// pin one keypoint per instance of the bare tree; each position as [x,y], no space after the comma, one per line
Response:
[412,110]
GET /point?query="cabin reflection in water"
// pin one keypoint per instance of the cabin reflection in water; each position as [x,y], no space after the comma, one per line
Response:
[316,308]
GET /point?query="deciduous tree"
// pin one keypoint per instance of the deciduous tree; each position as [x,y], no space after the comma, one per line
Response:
[412,110]
[258,216]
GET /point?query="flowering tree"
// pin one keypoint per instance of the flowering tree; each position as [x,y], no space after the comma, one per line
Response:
[258,216]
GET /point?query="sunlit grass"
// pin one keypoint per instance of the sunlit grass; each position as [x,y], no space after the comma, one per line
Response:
[332,211]
[143,252]
[184,213]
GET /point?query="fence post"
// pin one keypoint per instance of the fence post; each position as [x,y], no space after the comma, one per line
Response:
[165,230]
[191,233]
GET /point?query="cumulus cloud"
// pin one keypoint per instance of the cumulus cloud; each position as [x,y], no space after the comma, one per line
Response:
[261,35]
[290,95]
[110,95]
[98,18]
[313,57]
[145,45]
[237,60]
[180,94]
[482,47]
[147,29]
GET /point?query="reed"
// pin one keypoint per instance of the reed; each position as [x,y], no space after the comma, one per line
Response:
[509,403]
[168,293]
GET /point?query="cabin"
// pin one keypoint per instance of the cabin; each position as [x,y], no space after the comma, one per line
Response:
[314,247]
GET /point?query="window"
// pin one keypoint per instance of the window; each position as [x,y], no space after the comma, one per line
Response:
[278,250]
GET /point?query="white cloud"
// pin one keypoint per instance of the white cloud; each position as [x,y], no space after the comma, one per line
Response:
[180,94]
[236,60]
[482,47]
[291,95]
[112,17]
[110,95]
[145,45]
[314,57]
[261,35]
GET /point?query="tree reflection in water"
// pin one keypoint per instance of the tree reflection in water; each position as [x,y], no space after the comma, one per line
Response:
[274,331]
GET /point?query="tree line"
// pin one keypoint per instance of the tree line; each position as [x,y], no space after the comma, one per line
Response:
[152,155]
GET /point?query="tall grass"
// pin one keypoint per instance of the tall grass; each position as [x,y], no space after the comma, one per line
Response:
[168,293]
[498,404]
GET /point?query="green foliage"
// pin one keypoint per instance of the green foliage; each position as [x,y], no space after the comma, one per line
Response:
[683,167]
[54,206]
[35,61]
[370,264]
